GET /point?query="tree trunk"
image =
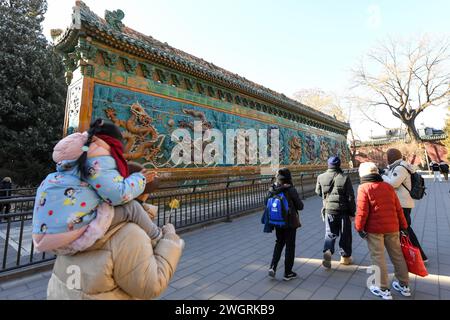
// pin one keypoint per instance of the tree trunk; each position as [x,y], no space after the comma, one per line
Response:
[412,131]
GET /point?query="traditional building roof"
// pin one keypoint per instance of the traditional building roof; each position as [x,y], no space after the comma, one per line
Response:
[113,32]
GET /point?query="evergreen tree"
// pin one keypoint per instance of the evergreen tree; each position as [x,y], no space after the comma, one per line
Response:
[32,93]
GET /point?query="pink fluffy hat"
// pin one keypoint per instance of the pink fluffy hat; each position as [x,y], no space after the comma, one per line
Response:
[70,148]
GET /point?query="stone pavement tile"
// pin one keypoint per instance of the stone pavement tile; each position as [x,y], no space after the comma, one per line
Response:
[299,294]
[287,286]
[424,296]
[12,291]
[443,258]
[210,279]
[231,268]
[445,294]
[185,281]
[210,291]
[312,283]
[261,287]
[221,297]
[444,269]
[168,291]
[325,293]
[306,270]
[237,289]
[38,283]
[246,296]
[324,272]
[274,295]
[210,269]
[336,282]
[20,281]
[234,277]
[351,292]
[25,294]
[183,293]
[41,296]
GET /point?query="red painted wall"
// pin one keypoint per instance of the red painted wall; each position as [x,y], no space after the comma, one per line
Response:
[436,152]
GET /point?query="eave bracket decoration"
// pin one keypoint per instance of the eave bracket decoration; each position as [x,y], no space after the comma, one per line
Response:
[114,19]
[82,56]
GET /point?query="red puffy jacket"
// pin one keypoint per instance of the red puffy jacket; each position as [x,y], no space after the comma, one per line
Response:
[378,209]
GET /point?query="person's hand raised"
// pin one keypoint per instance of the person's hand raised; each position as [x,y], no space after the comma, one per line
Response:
[149,175]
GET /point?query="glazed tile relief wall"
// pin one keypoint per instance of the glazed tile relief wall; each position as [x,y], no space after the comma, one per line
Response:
[298,145]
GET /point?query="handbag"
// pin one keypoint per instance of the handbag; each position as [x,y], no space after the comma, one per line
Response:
[413,257]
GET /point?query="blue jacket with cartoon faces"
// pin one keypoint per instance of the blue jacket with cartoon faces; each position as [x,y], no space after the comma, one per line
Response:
[64,202]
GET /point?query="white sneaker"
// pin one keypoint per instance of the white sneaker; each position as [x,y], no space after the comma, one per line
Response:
[404,290]
[384,294]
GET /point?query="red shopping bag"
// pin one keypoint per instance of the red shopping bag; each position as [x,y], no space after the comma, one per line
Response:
[413,257]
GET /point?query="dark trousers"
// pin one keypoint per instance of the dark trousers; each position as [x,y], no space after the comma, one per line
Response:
[412,235]
[338,225]
[285,237]
[7,208]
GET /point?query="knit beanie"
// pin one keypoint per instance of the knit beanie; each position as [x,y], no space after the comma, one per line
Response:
[70,148]
[393,155]
[334,162]
[367,168]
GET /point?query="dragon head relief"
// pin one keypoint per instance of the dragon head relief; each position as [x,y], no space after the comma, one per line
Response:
[139,112]
[142,140]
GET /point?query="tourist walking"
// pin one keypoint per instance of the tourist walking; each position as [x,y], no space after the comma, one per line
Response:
[444,170]
[435,167]
[286,227]
[378,220]
[398,175]
[5,192]
[339,206]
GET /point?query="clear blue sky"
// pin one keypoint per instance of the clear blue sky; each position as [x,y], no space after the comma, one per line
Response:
[285,45]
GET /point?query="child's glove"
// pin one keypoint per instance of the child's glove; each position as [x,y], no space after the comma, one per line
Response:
[169,233]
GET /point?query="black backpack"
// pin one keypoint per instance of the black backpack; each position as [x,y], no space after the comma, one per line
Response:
[417,185]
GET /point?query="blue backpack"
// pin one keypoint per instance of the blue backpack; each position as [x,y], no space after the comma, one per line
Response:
[277,209]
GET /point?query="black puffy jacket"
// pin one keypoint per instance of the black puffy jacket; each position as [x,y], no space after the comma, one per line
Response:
[341,200]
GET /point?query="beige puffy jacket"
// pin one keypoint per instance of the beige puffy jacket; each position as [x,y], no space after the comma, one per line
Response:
[399,177]
[122,265]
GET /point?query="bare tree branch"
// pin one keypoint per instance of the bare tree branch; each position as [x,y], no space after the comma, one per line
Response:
[406,77]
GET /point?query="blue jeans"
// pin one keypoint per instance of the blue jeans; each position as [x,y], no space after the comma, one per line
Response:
[338,225]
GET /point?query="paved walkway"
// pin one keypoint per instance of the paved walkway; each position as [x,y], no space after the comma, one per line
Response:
[230,260]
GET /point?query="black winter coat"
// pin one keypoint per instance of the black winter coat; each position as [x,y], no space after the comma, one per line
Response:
[295,203]
[5,185]
[341,200]
[444,167]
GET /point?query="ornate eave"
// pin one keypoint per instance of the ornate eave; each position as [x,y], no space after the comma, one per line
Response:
[114,34]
